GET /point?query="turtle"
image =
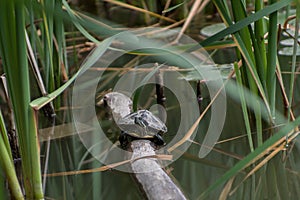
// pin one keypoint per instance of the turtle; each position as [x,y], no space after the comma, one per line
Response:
[141,124]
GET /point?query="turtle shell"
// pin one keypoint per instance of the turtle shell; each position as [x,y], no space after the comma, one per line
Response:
[142,124]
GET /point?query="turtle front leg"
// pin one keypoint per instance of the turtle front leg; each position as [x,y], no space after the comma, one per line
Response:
[124,139]
[158,140]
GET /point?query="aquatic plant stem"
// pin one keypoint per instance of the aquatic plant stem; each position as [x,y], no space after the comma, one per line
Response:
[271,59]
[244,106]
[294,58]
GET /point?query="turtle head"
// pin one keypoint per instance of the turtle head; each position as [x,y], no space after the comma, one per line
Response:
[119,104]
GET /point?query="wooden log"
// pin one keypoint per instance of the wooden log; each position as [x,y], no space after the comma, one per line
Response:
[154,181]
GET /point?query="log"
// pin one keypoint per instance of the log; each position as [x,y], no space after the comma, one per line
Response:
[154,181]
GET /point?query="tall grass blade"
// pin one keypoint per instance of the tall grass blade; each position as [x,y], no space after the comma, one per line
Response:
[259,36]
[14,57]
[173,7]
[244,107]
[7,162]
[5,136]
[272,58]
[294,59]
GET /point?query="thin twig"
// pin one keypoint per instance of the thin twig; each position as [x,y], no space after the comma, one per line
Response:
[140,10]
[160,97]
[107,167]
[191,15]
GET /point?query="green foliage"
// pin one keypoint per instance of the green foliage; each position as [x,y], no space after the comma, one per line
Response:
[258,73]
[14,57]
[254,88]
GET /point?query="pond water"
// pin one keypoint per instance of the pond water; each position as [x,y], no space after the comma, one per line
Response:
[68,152]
